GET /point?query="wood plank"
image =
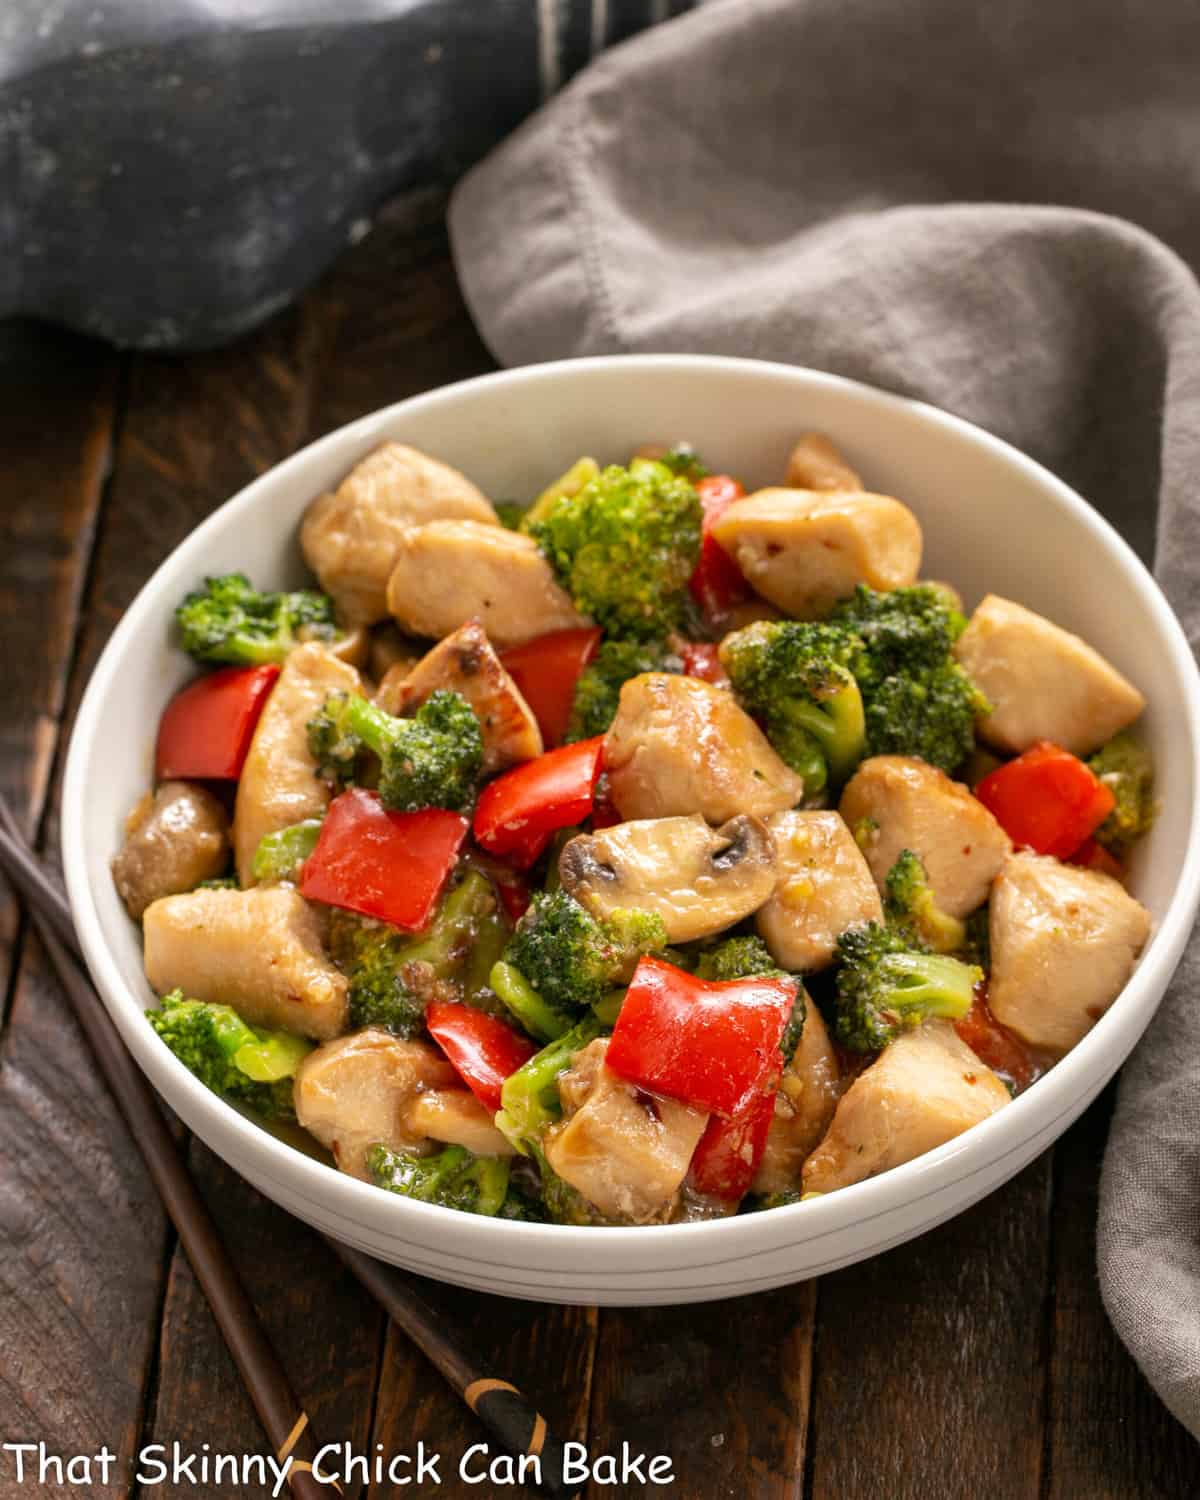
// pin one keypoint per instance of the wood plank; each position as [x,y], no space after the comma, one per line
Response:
[547,1352]
[1108,1435]
[721,1388]
[929,1362]
[80,1231]
[56,415]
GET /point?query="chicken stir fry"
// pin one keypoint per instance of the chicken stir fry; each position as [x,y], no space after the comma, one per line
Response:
[649,851]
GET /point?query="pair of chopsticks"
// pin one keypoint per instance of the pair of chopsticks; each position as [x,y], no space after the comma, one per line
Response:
[498,1404]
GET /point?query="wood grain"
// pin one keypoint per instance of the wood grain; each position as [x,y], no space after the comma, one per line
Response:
[1107,1434]
[929,1362]
[81,1233]
[722,1388]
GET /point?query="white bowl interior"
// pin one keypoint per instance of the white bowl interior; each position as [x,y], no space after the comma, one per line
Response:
[993,521]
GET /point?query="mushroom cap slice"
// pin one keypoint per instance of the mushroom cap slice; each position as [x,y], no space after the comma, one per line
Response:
[700,880]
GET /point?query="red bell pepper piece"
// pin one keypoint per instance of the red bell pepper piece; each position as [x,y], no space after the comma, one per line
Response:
[518,812]
[546,670]
[1093,856]
[700,659]
[483,1050]
[389,865]
[713,1045]
[515,897]
[206,729]
[728,1153]
[1046,800]
[716,582]
[994,1045]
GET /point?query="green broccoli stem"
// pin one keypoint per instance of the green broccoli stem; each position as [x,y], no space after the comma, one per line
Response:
[464,908]
[519,996]
[280,854]
[933,984]
[838,725]
[374,726]
[529,1097]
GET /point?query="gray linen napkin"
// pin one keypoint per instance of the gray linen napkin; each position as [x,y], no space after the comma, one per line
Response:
[866,187]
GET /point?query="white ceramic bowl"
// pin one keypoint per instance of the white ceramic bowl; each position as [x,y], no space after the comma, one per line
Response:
[993,520]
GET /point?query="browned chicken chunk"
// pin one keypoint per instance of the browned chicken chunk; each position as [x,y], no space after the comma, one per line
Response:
[352,1094]
[698,879]
[1043,682]
[173,840]
[817,464]
[450,572]
[279,783]
[679,745]
[803,550]
[896,802]
[258,950]
[626,1151]
[455,1117]
[1063,943]
[466,663]
[922,1091]
[349,537]
[824,886]
[804,1106]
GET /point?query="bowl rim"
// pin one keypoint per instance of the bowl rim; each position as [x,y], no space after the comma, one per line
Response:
[631,1250]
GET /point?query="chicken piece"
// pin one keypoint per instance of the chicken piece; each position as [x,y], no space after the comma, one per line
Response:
[349,537]
[805,549]
[457,1118]
[174,839]
[804,1106]
[816,464]
[466,663]
[1043,682]
[258,950]
[922,1091]
[824,886]
[896,802]
[678,745]
[352,1094]
[279,784]
[1063,943]
[450,572]
[627,1151]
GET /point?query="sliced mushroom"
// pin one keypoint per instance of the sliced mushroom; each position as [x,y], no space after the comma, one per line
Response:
[466,663]
[700,880]
[173,841]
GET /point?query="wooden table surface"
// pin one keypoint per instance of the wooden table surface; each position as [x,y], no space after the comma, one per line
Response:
[976,1361]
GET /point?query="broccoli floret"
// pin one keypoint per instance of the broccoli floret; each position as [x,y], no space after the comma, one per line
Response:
[682,459]
[748,957]
[229,620]
[625,546]
[581,472]
[280,854]
[430,760]
[247,1064]
[219,883]
[886,986]
[394,974]
[1125,767]
[454,1178]
[529,1097]
[571,959]
[794,676]
[909,907]
[510,513]
[599,687]
[978,947]
[916,698]
[754,1203]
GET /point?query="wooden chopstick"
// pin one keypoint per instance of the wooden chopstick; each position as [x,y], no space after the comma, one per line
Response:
[502,1408]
